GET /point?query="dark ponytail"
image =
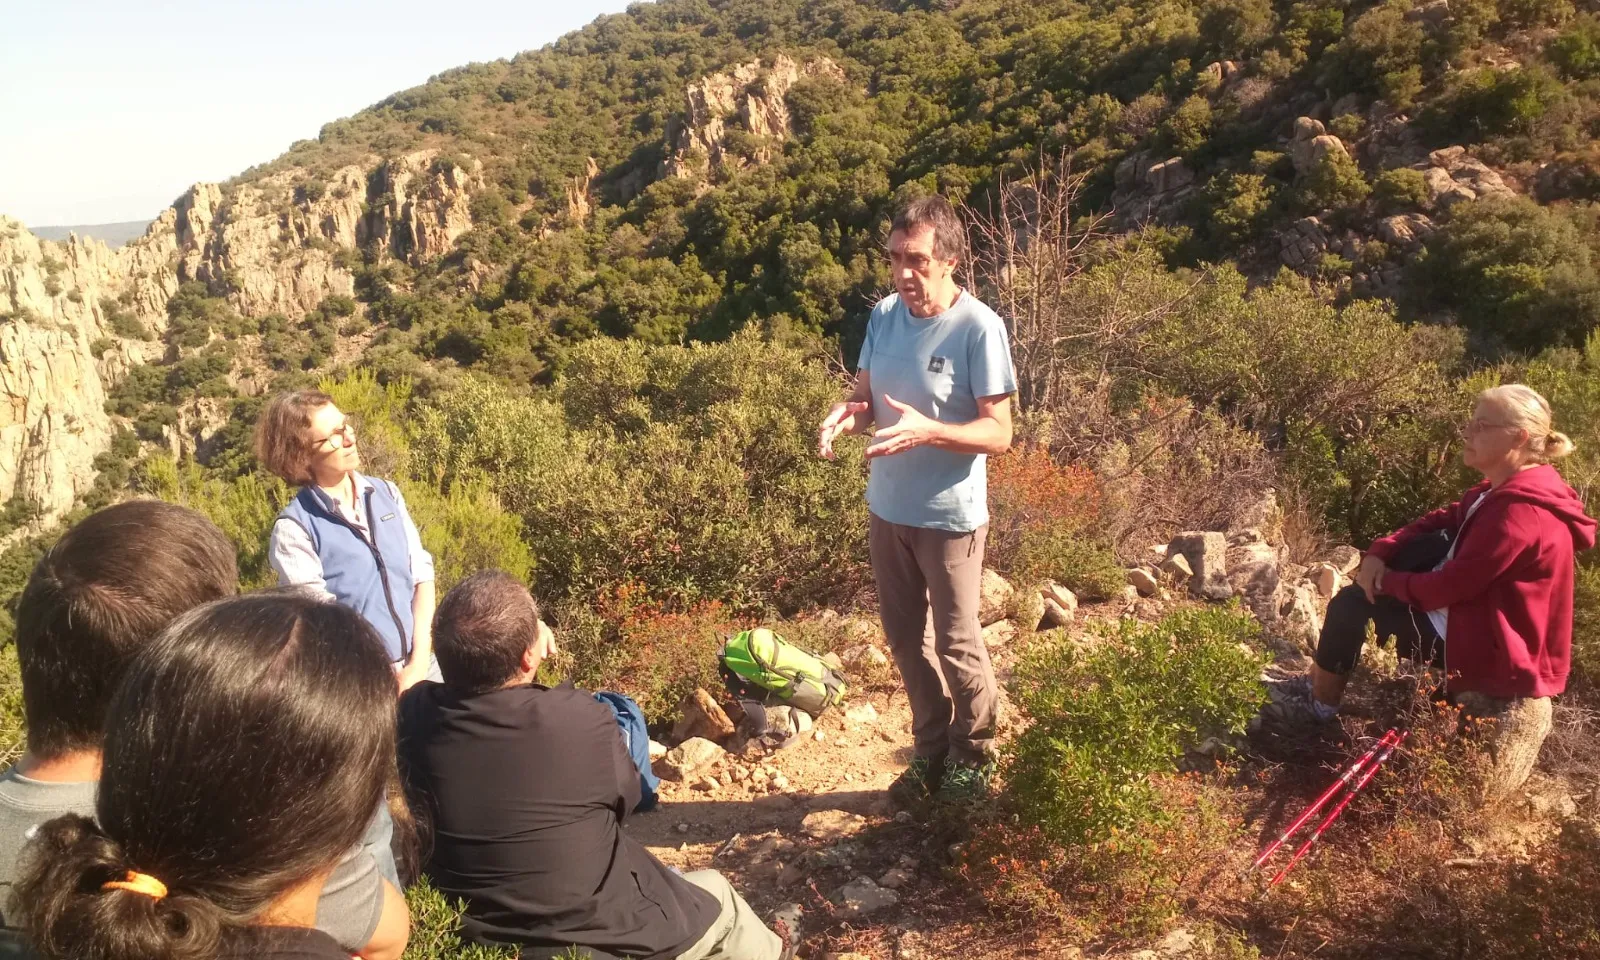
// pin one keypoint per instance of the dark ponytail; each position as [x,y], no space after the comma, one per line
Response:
[246,751]
[69,913]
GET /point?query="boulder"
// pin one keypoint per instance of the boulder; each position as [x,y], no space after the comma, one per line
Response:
[895,878]
[1443,190]
[1325,576]
[1259,552]
[994,597]
[1516,731]
[702,717]
[1312,144]
[683,762]
[1055,615]
[1029,609]
[1207,554]
[1405,230]
[657,751]
[1300,617]
[1143,581]
[1168,175]
[1258,584]
[1065,602]
[861,897]
[1177,568]
[999,634]
[1432,14]
[1345,559]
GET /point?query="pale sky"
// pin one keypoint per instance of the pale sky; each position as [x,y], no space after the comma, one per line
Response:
[109,109]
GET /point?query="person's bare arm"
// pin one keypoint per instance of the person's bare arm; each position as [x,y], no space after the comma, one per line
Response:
[851,415]
[421,662]
[989,433]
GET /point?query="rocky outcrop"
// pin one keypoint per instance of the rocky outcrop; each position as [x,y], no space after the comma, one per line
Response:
[750,93]
[1312,144]
[71,313]
[59,347]
[1150,189]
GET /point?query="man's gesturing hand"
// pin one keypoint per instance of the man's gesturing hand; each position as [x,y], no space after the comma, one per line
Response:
[911,430]
[836,423]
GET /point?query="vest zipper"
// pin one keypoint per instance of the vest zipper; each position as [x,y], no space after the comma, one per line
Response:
[383,573]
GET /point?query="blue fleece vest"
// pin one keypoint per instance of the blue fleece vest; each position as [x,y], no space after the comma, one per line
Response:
[372,577]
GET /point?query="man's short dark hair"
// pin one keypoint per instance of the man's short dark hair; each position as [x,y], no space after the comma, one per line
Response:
[949,234]
[103,591]
[481,630]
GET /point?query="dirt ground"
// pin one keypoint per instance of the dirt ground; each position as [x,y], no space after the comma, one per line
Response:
[828,823]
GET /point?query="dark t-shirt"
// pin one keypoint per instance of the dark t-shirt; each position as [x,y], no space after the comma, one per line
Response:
[284,943]
[526,789]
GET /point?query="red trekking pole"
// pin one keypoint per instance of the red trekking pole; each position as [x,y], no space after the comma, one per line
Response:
[1334,814]
[1350,773]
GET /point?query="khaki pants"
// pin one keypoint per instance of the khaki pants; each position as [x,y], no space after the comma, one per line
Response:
[737,933]
[942,659]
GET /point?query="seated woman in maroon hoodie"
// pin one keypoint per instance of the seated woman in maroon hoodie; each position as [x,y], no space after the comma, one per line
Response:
[1483,587]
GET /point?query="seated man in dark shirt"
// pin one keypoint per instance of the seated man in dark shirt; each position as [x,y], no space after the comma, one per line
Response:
[526,787]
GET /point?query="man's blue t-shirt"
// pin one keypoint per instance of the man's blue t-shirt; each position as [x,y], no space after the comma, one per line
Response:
[941,366]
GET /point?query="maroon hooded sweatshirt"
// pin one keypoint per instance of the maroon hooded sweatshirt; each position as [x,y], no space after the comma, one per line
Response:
[1508,587]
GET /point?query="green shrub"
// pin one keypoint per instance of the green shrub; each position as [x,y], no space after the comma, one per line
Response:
[436,929]
[1517,273]
[1400,190]
[1334,183]
[1576,52]
[689,471]
[1107,712]
[1490,102]
[1239,203]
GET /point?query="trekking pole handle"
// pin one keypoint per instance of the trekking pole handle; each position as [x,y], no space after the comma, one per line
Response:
[1343,802]
[1349,774]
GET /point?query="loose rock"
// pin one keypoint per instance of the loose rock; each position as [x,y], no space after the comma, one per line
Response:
[999,634]
[1177,567]
[657,751]
[702,717]
[1207,554]
[682,762]
[1326,578]
[863,713]
[994,597]
[895,878]
[862,897]
[1345,559]
[1143,581]
[832,825]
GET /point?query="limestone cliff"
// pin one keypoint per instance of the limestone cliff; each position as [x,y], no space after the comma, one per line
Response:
[70,313]
[751,93]
[58,349]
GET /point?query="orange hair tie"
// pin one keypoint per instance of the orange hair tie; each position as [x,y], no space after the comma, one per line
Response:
[137,882]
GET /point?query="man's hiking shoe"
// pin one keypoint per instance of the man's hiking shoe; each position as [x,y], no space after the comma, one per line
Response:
[919,781]
[965,782]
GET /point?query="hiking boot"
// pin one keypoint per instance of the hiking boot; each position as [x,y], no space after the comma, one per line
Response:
[965,781]
[1291,707]
[919,781]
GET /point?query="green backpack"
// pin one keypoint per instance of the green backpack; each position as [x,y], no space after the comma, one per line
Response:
[761,667]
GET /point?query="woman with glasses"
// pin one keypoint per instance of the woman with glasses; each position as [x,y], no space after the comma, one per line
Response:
[346,535]
[1481,588]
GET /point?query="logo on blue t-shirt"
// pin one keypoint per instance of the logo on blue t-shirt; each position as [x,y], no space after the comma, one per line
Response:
[936,364]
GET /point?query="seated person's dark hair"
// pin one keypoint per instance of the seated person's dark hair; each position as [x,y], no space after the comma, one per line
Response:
[244,754]
[105,588]
[481,630]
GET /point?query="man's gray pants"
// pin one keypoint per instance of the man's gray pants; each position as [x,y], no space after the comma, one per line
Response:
[942,658]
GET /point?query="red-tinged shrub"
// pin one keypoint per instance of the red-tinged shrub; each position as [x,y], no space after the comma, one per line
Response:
[1045,523]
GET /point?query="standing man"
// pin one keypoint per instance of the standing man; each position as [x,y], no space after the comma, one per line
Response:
[936,378]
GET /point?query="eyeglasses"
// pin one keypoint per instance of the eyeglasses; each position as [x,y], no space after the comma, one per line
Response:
[1479,426]
[344,436]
